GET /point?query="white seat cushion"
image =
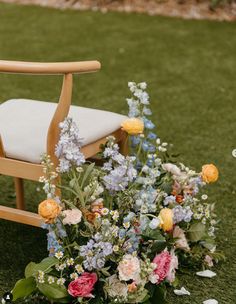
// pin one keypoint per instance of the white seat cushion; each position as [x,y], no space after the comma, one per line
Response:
[24,124]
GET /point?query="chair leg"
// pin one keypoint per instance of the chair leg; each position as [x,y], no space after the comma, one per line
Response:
[124,147]
[19,187]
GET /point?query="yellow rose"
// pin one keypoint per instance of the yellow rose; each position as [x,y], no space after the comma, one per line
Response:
[210,173]
[49,210]
[166,218]
[133,126]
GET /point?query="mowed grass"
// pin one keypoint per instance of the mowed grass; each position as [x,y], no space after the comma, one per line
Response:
[190,67]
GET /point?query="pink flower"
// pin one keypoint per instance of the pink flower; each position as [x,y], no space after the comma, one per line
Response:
[181,241]
[163,261]
[209,261]
[129,268]
[83,285]
[173,266]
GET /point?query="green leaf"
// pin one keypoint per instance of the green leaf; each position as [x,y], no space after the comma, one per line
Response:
[196,232]
[45,265]
[24,288]
[53,291]
[29,270]
[158,246]
[152,234]
[87,173]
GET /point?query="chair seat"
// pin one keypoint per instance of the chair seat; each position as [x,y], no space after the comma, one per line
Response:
[24,124]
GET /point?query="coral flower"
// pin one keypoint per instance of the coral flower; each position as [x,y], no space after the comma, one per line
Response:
[210,173]
[166,217]
[49,210]
[133,126]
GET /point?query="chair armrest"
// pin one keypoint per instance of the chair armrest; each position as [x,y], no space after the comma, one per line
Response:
[21,67]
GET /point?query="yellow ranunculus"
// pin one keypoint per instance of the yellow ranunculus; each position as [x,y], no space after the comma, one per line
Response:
[133,126]
[49,210]
[210,173]
[166,218]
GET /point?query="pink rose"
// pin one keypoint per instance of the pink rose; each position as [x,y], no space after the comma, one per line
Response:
[83,285]
[163,261]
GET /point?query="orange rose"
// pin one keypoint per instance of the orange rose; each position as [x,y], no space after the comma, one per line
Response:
[49,210]
[210,173]
[133,126]
[166,217]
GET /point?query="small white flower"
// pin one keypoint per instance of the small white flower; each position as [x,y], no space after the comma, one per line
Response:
[62,266]
[126,225]
[105,211]
[143,85]
[158,141]
[59,255]
[204,197]
[115,215]
[74,275]
[79,268]
[61,281]
[79,169]
[70,262]
[115,248]
[153,278]
[51,280]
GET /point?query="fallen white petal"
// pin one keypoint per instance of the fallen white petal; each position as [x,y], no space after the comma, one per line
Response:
[206,274]
[182,292]
[210,301]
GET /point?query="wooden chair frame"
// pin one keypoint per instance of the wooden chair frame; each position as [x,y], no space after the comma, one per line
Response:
[24,170]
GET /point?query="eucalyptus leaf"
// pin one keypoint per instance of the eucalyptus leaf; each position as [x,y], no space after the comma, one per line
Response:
[24,288]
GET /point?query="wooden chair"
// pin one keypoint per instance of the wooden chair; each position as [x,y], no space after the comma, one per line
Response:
[27,124]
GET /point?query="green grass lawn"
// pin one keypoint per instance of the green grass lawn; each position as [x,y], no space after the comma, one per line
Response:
[190,67]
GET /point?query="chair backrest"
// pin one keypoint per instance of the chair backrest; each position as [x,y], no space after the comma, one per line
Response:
[64,68]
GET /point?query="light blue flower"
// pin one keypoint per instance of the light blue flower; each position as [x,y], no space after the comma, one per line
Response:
[148,123]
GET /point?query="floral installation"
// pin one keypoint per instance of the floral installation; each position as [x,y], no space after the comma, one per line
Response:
[122,232]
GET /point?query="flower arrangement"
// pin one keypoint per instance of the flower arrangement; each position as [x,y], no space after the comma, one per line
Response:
[120,232]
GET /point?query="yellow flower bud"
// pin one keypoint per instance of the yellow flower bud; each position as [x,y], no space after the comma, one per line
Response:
[166,217]
[210,173]
[49,210]
[133,126]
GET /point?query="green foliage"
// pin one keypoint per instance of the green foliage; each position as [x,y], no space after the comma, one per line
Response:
[54,292]
[196,232]
[24,288]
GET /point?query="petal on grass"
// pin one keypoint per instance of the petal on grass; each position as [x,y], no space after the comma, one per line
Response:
[211,301]
[182,292]
[206,274]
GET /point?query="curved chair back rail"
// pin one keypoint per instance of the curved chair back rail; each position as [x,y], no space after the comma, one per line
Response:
[50,68]
[65,68]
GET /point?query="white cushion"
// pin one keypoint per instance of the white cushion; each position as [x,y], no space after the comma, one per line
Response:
[24,124]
